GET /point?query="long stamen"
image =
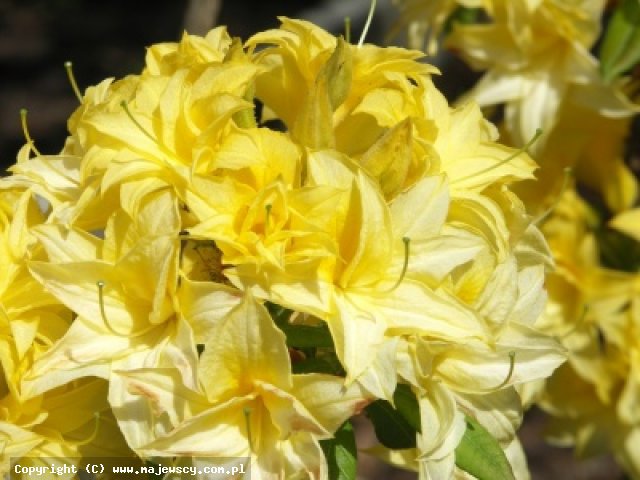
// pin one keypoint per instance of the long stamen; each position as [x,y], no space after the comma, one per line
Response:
[101,284]
[565,183]
[524,149]
[347,29]
[512,365]
[93,435]
[267,216]
[406,241]
[164,149]
[367,24]
[247,420]
[124,105]
[25,131]
[68,66]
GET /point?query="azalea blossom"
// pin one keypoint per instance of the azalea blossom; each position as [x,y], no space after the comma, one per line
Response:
[175,218]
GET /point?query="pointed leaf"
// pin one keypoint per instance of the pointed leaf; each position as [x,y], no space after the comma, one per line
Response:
[620,49]
[341,453]
[393,428]
[481,455]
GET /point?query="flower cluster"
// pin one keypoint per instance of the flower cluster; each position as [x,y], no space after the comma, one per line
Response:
[243,246]
[540,64]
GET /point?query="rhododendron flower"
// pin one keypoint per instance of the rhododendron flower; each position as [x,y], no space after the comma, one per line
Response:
[175,220]
[247,404]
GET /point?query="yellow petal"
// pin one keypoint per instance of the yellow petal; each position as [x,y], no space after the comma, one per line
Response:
[245,347]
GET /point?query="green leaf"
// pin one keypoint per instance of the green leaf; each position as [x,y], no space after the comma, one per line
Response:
[481,455]
[305,336]
[396,427]
[620,49]
[328,364]
[407,405]
[278,313]
[464,16]
[618,251]
[341,453]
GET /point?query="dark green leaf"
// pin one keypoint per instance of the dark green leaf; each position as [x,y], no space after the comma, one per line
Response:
[465,16]
[481,455]
[407,405]
[278,313]
[620,49]
[341,453]
[392,429]
[326,364]
[305,336]
[618,251]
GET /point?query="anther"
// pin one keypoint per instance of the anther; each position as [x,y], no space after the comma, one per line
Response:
[367,24]
[247,419]
[512,365]
[25,131]
[68,66]
[524,149]
[406,241]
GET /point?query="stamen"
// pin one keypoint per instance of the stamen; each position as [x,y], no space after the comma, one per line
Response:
[44,340]
[524,149]
[101,284]
[565,183]
[68,66]
[124,105]
[247,420]
[267,216]
[93,435]
[367,23]
[164,149]
[406,241]
[512,365]
[25,131]
[347,29]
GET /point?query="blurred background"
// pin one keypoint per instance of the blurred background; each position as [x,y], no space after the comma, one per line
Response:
[108,39]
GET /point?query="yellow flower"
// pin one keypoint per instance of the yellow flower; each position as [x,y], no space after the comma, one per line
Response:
[425,20]
[544,62]
[381,211]
[593,310]
[66,423]
[123,291]
[247,403]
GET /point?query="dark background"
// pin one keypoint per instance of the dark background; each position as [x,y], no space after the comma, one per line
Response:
[108,39]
